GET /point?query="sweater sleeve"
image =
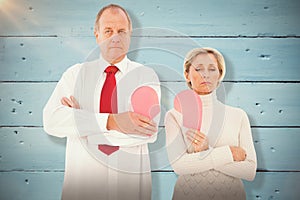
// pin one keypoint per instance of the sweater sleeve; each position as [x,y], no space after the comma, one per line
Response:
[189,163]
[245,169]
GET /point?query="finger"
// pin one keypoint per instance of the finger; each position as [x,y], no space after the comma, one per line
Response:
[195,141]
[192,133]
[189,133]
[143,132]
[62,101]
[66,101]
[72,101]
[202,135]
[147,120]
[141,118]
[197,134]
[148,125]
[75,103]
[199,138]
[191,139]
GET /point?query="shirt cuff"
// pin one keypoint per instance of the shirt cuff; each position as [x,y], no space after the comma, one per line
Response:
[102,121]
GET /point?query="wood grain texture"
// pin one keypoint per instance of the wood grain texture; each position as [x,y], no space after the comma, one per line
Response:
[260,41]
[274,104]
[47,185]
[247,59]
[31,185]
[32,149]
[208,18]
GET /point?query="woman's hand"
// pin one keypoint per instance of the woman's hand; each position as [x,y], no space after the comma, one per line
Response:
[198,140]
[238,153]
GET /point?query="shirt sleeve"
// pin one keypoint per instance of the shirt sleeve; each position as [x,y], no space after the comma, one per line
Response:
[189,163]
[63,121]
[244,169]
[116,138]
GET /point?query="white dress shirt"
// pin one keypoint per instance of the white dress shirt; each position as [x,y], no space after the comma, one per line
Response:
[89,173]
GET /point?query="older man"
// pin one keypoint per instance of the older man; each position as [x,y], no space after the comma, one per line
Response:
[106,153]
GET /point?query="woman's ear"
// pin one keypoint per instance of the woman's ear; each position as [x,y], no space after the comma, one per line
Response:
[186,76]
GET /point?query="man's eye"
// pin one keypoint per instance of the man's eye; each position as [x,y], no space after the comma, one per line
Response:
[122,32]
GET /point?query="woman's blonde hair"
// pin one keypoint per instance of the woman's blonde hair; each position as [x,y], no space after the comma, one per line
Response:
[191,55]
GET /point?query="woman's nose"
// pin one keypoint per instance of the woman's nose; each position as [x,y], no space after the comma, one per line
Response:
[204,74]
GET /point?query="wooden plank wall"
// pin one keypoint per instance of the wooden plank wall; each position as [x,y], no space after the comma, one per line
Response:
[260,40]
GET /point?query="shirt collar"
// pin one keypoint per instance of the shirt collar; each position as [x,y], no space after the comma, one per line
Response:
[122,65]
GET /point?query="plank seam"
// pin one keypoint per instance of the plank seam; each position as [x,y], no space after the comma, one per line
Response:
[238,81]
[277,127]
[164,36]
[154,171]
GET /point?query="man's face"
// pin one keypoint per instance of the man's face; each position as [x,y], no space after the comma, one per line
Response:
[113,35]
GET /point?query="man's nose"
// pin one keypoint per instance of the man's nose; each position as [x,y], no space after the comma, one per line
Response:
[115,37]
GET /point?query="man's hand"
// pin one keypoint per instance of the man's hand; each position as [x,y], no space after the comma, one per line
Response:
[127,122]
[198,140]
[238,153]
[132,123]
[72,103]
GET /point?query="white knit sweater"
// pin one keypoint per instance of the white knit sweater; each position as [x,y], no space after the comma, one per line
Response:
[212,174]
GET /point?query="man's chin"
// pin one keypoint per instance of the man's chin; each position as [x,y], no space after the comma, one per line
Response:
[116,58]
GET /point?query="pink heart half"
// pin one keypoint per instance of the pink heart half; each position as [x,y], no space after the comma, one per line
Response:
[145,101]
[189,104]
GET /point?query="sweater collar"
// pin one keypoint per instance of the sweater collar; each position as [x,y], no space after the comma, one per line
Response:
[209,99]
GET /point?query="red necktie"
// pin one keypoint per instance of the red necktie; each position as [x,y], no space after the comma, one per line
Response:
[108,102]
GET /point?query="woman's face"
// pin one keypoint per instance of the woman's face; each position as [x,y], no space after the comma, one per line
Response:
[204,73]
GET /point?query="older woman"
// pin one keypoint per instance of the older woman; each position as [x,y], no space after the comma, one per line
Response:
[210,169]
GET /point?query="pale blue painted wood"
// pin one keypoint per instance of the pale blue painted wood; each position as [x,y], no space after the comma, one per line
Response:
[30,149]
[267,104]
[274,104]
[247,59]
[33,149]
[48,185]
[273,185]
[275,149]
[44,57]
[41,59]
[31,185]
[208,18]
[23,105]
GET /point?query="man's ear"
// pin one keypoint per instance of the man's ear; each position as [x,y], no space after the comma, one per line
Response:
[96,34]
